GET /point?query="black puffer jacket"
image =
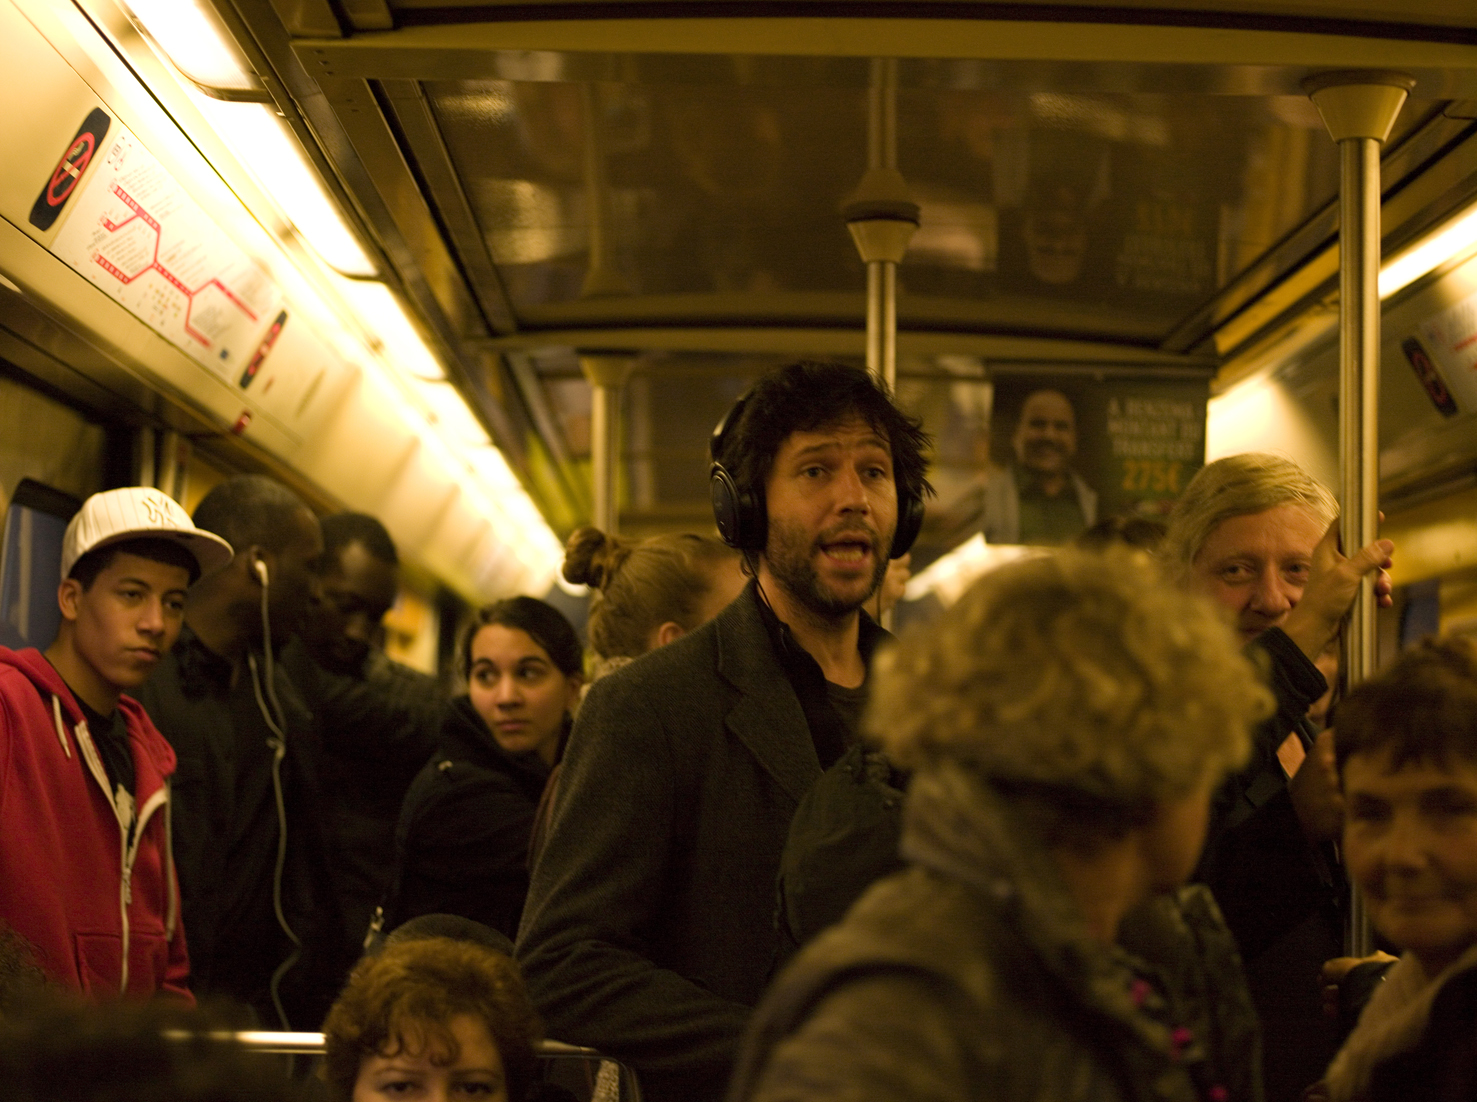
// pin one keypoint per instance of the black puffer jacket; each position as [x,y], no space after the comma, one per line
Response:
[462,840]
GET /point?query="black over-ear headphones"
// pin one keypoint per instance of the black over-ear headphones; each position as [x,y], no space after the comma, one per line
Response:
[740,513]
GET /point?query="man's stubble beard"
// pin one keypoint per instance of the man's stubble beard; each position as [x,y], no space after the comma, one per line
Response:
[789,560]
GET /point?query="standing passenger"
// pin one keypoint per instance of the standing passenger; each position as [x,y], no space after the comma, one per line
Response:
[649,929]
[379,719]
[1067,720]
[462,840]
[258,898]
[1258,536]
[651,593]
[85,866]
[1407,754]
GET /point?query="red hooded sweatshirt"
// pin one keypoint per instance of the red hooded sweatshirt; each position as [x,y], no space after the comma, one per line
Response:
[89,883]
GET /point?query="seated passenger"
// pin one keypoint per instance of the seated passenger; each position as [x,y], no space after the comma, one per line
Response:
[1407,755]
[379,718]
[463,835]
[1067,720]
[84,774]
[432,1018]
[1257,535]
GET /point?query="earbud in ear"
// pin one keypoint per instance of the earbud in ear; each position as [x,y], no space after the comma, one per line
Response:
[261,570]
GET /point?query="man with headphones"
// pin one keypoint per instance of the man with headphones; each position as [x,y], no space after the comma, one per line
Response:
[255,881]
[649,927]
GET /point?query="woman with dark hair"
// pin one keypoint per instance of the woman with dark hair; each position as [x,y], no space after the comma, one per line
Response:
[462,840]
[432,1018]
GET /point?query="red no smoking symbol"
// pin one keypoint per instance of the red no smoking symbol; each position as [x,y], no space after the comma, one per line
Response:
[69,169]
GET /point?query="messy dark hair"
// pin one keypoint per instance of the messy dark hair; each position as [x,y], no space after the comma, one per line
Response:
[810,395]
[1422,709]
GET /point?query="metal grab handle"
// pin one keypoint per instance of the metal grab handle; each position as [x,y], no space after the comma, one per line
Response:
[272,1043]
[281,1044]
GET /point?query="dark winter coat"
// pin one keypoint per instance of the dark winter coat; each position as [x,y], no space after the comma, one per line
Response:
[462,841]
[649,929]
[972,976]
[1282,896]
[225,822]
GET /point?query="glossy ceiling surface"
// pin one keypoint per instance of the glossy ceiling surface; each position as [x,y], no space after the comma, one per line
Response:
[1100,189]
[1105,216]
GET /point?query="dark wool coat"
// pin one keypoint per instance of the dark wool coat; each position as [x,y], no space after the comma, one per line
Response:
[649,928]
[971,977]
[1282,896]
[462,841]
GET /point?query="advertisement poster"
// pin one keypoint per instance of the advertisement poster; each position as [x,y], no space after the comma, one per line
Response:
[1070,450]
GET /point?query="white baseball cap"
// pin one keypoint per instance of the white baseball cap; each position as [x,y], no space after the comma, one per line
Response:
[136,512]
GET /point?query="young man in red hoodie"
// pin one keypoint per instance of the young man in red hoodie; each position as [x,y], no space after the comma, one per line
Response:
[86,870]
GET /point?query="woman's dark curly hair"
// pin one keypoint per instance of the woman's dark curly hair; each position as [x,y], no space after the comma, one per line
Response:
[404,999]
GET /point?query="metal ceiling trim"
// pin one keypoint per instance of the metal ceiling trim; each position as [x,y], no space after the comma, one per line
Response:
[422,134]
[1446,185]
[999,315]
[1231,61]
[1415,153]
[848,342]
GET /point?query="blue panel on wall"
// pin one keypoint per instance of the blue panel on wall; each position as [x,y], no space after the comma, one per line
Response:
[30,563]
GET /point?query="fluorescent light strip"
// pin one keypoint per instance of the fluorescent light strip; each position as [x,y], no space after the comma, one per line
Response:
[267,149]
[382,315]
[198,45]
[1451,240]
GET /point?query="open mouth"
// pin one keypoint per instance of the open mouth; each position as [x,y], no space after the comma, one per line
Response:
[848,551]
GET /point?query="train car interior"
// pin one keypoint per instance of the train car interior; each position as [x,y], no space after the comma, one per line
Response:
[492,270]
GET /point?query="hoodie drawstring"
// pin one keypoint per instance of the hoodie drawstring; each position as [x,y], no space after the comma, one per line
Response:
[61,728]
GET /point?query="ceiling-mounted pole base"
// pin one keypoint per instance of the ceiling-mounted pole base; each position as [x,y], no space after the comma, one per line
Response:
[1359,103]
[611,369]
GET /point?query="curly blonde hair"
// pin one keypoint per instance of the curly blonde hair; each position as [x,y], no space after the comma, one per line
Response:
[1080,673]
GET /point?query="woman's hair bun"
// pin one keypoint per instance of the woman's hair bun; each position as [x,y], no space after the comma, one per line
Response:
[591,557]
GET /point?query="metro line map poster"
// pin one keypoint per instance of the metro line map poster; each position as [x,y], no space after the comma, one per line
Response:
[136,234]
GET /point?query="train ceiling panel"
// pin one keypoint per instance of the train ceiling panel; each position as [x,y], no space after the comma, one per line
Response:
[1126,185]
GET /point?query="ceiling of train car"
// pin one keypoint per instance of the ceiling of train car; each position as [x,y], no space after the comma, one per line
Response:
[1091,194]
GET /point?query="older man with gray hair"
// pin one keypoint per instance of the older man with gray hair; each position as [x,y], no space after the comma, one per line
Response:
[1259,536]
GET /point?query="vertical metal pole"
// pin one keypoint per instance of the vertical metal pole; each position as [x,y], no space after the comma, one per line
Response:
[146,457]
[1359,108]
[607,374]
[1359,385]
[882,274]
[604,445]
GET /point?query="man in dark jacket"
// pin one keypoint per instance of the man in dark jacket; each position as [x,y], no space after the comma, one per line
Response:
[648,931]
[262,922]
[1256,534]
[379,719]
